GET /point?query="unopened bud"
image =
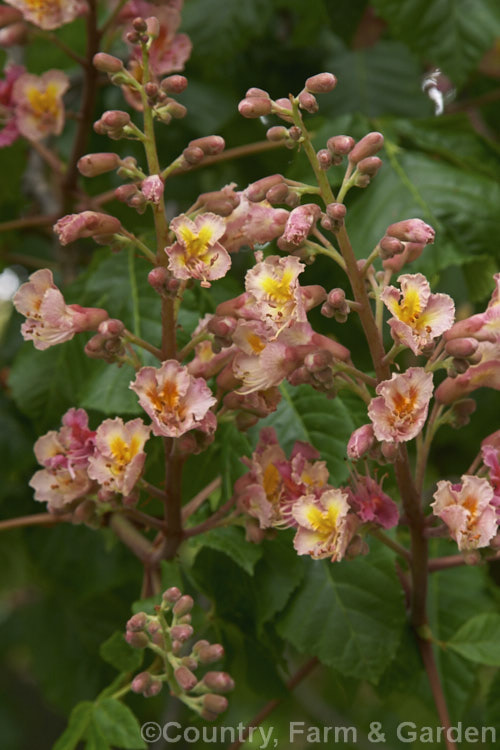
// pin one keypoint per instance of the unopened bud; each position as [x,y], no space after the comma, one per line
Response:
[254,92]
[367,146]
[141,682]
[256,192]
[92,165]
[153,688]
[299,223]
[139,24]
[123,193]
[321,83]
[215,703]
[182,632]
[193,155]
[389,450]
[461,348]
[183,605]
[361,441]
[390,246]
[210,653]
[173,594]
[308,102]
[211,145]
[222,326]
[153,27]
[412,230]
[174,84]
[277,194]
[137,622]
[136,640]
[461,411]
[339,145]
[277,133]
[318,361]
[107,63]
[369,166]
[219,682]
[185,678]
[324,158]
[255,107]
[151,89]
[115,118]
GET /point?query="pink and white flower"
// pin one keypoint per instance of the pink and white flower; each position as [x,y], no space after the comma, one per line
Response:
[119,459]
[50,320]
[39,104]
[175,400]
[274,291]
[252,224]
[325,525]
[467,510]
[49,14]
[419,316]
[198,254]
[400,409]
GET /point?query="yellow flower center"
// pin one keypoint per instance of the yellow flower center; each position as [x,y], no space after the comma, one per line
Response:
[196,244]
[123,453]
[44,102]
[404,405]
[44,6]
[255,343]
[410,309]
[279,290]
[324,522]
[272,483]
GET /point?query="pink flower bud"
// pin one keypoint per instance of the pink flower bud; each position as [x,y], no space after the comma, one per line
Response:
[173,594]
[461,348]
[369,166]
[210,653]
[139,24]
[183,605]
[321,83]
[193,155]
[216,704]
[308,102]
[92,165]
[221,202]
[9,16]
[189,662]
[219,682]
[258,93]
[136,640]
[324,158]
[13,34]
[390,246]
[153,27]
[152,189]
[317,361]
[222,326]
[141,682]
[86,224]
[412,230]
[255,107]
[367,146]
[115,119]
[107,63]
[299,223]
[389,450]
[295,133]
[361,441]
[137,622]
[185,678]
[336,298]
[277,133]
[277,194]
[339,145]
[174,84]
[125,192]
[153,688]
[461,411]
[210,144]
[182,632]
[256,191]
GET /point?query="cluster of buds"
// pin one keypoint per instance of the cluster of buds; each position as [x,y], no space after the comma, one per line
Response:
[258,103]
[197,149]
[336,306]
[404,242]
[116,124]
[166,633]
[275,189]
[165,107]
[107,344]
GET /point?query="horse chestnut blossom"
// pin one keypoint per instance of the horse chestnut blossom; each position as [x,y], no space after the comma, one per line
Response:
[274,291]
[198,254]
[273,484]
[468,511]
[400,409]
[371,503]
[419,316]
[175,400]
[86,224]
[252,223]
[325,525]
[65,456]
[119,456]
[49,14]
[39,104]
[50,320]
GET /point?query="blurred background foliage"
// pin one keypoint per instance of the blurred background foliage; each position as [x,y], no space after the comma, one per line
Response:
[65,590]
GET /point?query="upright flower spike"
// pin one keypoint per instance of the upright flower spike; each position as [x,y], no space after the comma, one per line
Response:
[400,409]
[325,525]
[39,104]
[119,458]
[49,14]
[175,400]
[418,316]
[467,510]
[198,254]
[275,292]
[49,320]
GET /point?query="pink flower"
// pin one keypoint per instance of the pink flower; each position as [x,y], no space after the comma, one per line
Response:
[49,320]
[467,510]
[274,291]
[152,189]
[119,458]
[49,14]
[325,525]
[419,317]
[253,224]
[174,399]
[483,326]
[39,104]
[299,223]
[371,503]
[484,374]
[273,484]
[198,254]
[400,410]
[86,224]
[64,455]
[7,105]
[360,442]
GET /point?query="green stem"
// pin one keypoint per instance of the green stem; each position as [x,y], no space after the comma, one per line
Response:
[391,543]
[143,344]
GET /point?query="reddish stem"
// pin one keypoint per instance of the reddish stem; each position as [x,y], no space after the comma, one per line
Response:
[38,519]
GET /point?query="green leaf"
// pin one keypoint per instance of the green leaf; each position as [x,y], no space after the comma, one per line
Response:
[479,639]
[118,725]
[117,652]
[454,34]
[349,614]
[107,390]
[304,414]
[277,575]
[79,720]
[95,740]
[231,541]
